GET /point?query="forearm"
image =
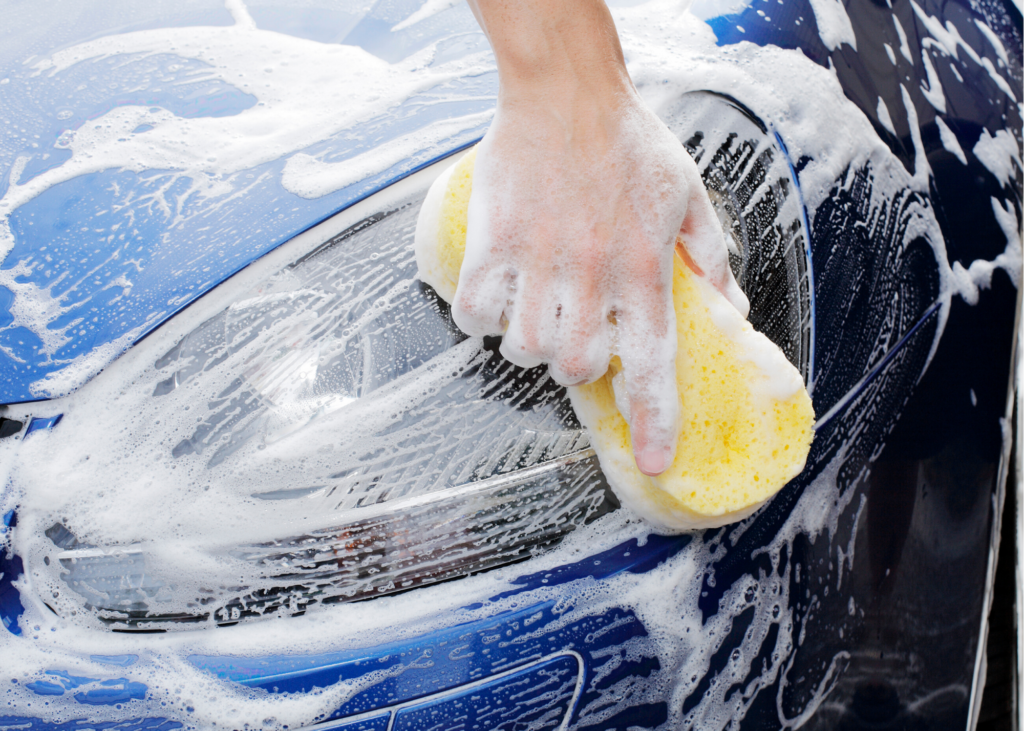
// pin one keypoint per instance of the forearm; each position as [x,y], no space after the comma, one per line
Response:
[579,195]
[554,50]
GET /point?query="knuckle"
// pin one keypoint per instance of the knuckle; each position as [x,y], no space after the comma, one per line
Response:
[574,369]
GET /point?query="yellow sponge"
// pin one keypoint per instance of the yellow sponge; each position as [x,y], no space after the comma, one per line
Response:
[746,416]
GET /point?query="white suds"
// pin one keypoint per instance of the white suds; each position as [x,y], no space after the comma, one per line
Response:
[994,40]
[968,282]
[834,25]
[883,116]
[933,91]
[308,177]
[1000,154]
[65,380]
[904,46]
[949,140]
[240,13]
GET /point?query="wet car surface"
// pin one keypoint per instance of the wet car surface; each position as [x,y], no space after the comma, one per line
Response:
[855,599]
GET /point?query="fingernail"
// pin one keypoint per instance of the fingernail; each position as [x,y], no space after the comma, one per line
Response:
[652,461]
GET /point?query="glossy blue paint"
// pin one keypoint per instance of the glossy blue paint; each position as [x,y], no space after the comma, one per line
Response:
[11,568]
[68,681]
[631,557]
[905,445]
[540,696]
[45,687]
[118,269]
[438,662]
[135,276]
[27,723]
[374,723]
[91,691]
[112,692]
[42,423]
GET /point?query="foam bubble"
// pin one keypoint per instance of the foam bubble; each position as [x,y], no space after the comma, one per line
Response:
[141,494]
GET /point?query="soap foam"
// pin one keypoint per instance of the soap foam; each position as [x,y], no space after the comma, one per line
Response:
[144,499]
[948,39]
[306,92]
[949,140]
[999,153]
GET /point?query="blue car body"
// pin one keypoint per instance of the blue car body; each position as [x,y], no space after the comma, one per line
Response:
[873,617]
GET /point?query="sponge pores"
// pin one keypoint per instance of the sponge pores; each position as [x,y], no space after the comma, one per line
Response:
[746,417]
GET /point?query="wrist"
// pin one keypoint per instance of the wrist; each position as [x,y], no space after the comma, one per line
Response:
[555,50]
[599,85]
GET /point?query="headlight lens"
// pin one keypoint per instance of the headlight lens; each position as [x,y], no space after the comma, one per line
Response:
[338,392]
[410,543]
[330,435]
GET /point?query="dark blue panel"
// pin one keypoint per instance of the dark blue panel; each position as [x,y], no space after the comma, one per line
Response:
[538,697]
[443,661]
[871,286]
[25,723]
[11,569]
[376,723]
[630,557]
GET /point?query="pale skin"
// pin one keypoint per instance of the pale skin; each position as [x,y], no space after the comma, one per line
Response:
[580,197]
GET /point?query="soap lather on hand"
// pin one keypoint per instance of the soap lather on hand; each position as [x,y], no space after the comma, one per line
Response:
[561,230]
[580,197]
[747,418]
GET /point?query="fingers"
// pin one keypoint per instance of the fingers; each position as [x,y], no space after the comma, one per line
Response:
[704,245]
[527,341]
[480,300]
[647,348]
[583,346]
[544,318]
[562,325]
[486,283]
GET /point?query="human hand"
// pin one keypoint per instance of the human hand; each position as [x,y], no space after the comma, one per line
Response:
[580,195]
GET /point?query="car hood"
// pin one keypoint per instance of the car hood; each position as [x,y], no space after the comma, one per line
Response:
[156,151]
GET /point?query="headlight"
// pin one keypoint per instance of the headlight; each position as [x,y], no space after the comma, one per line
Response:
[329,435]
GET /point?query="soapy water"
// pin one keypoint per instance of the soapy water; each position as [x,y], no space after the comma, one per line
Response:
[193,182]
[340,387]
[680,636]
[190,164]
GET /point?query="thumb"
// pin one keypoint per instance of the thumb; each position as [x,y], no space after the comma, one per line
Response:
[702,245]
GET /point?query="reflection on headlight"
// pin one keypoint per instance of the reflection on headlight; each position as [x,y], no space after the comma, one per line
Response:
[411,543]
